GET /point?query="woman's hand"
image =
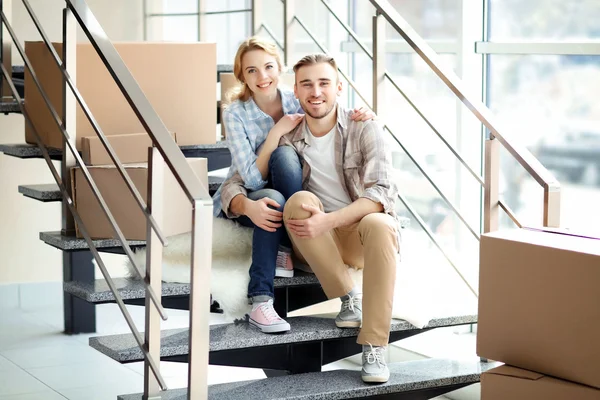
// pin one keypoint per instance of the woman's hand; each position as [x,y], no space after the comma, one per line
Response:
[362,114]
[262,215]
[286,124]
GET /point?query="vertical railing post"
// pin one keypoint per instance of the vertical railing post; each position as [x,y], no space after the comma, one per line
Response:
[201,20]
[154,252]
[199,300]
[491,180]
[256,15]
[379,64]
[552,206]
[288,37]
[6,7]
[69,57]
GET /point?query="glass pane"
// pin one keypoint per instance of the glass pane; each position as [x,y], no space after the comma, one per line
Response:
[431,19]
[544,19]
[550,105]
[173,29]
[228,31]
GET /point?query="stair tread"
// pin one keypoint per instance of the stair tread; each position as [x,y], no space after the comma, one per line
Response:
[42,192]
[341,384]
[98,291]
[241,335]
[10,107]
[50,191]
[62,242]
[26,150]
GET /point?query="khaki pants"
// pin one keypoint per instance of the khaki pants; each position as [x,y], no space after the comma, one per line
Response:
[370,244]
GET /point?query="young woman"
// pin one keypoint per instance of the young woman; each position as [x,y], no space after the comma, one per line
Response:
[257,115]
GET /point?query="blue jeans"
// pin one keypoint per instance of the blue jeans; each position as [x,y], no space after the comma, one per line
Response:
[285,179]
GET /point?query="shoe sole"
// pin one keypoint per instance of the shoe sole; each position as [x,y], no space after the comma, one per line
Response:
[348,324]
[271,329]
[375,379]
[284,273]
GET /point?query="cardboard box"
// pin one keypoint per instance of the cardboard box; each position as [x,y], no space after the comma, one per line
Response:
[179,80]
[130,148]
[129,216]
[539,303]
[229,81]
[510,383]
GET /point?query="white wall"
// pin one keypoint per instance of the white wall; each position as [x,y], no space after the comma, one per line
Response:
[24,258]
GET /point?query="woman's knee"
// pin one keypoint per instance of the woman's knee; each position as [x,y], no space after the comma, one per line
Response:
[284,157]
[275,195]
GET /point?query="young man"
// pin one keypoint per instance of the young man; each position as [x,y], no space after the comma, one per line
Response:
[346,213]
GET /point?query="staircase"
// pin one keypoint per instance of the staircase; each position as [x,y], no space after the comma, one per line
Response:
[293,361]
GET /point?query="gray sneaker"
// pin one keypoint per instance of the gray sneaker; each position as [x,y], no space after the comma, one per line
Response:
[374,368]
[350,315]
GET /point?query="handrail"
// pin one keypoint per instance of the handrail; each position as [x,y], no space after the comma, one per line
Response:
[88,239]
[198,195]
[510,213]
[453,82]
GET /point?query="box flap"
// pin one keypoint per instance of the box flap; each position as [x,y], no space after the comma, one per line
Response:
[507,370]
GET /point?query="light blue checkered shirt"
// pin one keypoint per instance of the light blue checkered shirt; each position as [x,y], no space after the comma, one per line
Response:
[247,127]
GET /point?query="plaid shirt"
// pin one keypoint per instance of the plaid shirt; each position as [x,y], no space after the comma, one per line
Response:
[247,127]
[361,158]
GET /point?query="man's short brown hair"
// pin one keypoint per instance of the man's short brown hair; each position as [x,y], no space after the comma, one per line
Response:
[312,59]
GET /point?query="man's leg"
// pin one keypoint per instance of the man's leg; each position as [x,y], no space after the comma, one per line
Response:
[321,253]
[378,234]
[265,246]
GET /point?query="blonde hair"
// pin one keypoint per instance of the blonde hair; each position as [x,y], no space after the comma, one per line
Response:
[313,59]
[241,91]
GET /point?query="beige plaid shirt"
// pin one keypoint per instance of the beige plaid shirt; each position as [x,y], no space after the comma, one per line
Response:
[361,158]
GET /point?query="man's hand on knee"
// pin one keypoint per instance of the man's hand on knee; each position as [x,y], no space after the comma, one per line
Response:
[316,225]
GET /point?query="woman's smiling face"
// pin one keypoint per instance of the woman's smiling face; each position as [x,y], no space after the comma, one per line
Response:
[261,72]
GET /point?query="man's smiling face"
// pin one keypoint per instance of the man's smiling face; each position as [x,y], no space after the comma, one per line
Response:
[317,87]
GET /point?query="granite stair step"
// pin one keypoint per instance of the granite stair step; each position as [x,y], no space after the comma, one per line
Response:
[98,291]
[45,192]
[436,376]
[241,335]
[8,107]
[72,243]
[217,153]
[50,192]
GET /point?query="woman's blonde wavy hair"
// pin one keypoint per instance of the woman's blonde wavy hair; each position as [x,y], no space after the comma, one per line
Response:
[241,91]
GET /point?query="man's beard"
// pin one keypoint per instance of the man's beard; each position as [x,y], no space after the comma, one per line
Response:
[321,115]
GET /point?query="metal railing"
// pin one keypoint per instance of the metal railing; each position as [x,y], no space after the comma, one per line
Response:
[165,151]
[492,203]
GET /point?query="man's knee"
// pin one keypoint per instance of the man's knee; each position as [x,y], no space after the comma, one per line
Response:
[379,228]
[293,207]
[275,195]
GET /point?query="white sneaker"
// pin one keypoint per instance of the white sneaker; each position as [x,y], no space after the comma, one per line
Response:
[374,368]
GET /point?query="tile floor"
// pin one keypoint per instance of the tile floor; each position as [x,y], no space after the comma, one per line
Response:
[37,361]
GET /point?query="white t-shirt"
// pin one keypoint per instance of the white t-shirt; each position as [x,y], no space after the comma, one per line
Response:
[324,180]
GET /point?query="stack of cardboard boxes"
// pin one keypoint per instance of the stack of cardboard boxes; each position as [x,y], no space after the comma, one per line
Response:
[179,80]
[539,313]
